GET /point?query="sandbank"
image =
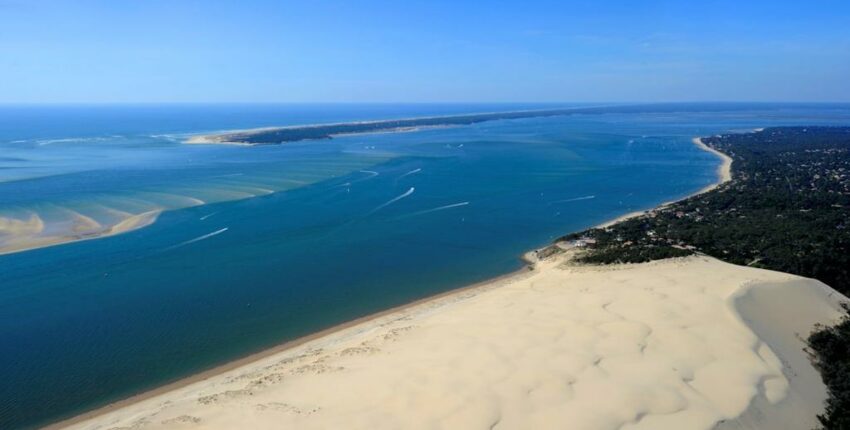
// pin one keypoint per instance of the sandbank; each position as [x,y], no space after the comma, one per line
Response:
[21,235]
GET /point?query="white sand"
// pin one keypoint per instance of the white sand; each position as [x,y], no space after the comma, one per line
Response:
[724,171]
[724,175]
[213,139]
[677,344]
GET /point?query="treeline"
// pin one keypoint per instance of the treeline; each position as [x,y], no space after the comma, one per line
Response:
[292,134]
[326,131]
[787,208]
[831,348]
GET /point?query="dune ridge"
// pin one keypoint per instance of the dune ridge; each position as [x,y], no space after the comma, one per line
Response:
[675,344]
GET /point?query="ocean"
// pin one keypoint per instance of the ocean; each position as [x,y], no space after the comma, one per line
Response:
[259,245]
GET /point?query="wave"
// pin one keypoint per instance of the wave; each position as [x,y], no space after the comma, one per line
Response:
[371,173]
[178,137]
[294,181]
[45,142]
[170,199]
[405,194]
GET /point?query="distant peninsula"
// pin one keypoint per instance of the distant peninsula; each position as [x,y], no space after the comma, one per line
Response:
[280,135]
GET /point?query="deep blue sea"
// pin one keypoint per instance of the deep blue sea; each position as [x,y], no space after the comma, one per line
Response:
[259,245]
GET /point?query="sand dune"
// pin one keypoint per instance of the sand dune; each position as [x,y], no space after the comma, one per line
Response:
[678,344]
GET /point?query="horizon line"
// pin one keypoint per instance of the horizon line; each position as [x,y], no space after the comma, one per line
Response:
[103,103]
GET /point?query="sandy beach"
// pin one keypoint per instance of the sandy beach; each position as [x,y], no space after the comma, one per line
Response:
[689,343]
[724,170]
[230,137]
[212,139]
[724,175]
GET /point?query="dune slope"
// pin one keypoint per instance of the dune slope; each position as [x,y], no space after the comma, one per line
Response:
[689,343]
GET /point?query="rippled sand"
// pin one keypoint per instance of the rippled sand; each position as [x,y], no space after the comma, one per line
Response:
[23,234]
[663,345]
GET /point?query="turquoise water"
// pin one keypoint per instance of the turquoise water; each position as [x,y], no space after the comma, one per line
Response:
[259,245]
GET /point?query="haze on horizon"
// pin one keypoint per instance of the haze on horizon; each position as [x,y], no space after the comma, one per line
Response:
[423,51]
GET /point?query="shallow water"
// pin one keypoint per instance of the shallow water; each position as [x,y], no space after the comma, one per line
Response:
[259,245]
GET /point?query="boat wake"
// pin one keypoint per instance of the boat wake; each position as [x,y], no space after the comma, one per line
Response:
[410,173]
[440,208]
[199,238]
[573,199]
[406,193]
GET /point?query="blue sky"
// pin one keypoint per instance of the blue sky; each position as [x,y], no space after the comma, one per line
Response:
[423,51]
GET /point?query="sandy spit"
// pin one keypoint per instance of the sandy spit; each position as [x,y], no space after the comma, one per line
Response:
[690,343]
[22,235]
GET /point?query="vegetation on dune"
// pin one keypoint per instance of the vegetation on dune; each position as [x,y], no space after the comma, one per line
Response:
[292,134]
[787,208]
[271,136]
[831,348]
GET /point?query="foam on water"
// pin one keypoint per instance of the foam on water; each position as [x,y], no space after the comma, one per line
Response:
[200,238]
[306,256]
[437,209]
[162,189]
[574,199]
[391,201]
[416,170]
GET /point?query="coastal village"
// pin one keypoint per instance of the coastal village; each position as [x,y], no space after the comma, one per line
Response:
[797,178]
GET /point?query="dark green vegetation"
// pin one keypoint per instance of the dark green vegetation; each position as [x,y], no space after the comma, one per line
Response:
[270,136]
[787,208]
[292,134]
[831,348]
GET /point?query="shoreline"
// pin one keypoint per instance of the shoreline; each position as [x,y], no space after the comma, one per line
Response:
[724,170]
[231,137]
[529,268]
[724,175]
[221,137]
[526,269]
[526,342]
